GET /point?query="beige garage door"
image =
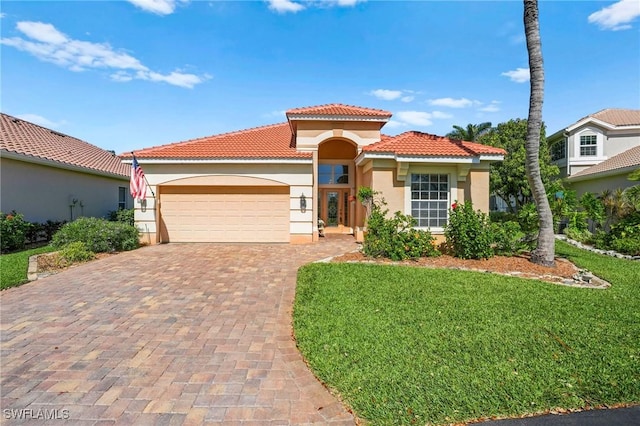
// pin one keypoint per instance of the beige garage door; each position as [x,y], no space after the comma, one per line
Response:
[224,214]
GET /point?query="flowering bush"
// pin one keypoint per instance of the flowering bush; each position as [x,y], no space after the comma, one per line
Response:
[468,232]
[99,235]
[13,231]
[395,238]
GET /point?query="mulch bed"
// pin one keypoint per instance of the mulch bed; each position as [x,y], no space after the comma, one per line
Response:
[49,262]
[519,265]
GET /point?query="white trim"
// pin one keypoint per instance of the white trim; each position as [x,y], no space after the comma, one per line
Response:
[143,161]
[59,165]
[453,189]
[420,159]
[601,123]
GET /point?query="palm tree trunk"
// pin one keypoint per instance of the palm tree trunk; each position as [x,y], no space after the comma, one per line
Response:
[544,252]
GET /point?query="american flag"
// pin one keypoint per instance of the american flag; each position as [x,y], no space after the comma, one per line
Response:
[138,184]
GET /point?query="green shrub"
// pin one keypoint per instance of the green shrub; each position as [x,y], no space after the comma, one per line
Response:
[499,217]
[74,253]
[581,235]
[395,238]
[528,219]
[630,246]
[508,238]
[468,232]
[13,231]
[122,215]
[624,236]
[99,235]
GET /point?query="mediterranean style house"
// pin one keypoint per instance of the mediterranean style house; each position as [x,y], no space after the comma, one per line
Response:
[47,175]
[274,183]
[598,151]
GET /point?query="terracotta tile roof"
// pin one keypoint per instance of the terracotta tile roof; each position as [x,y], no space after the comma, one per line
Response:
[273,141]
[626,159]
[22,137]
[618,117]
[339,110]
[418,143]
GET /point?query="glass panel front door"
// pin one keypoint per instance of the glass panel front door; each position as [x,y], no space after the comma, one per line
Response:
[334,206]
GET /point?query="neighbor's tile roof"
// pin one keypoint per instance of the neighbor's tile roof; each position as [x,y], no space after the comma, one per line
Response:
[339,110]
[22,137]
[628,158]
[618,117]
[273,141]
[418,143]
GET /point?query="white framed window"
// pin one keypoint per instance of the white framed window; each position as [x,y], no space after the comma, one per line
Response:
[122,198]
[331,174]
[588,145]
[430,199]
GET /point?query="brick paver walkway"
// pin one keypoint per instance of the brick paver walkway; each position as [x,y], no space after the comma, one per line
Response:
[170,334]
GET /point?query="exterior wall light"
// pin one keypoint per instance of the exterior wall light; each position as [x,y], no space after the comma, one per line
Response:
[303,203]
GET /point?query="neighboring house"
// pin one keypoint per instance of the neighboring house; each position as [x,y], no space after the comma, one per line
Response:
[273,183]
[598,151]
[47,175]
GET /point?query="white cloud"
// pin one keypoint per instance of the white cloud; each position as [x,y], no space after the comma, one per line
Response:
[284,6]
[492,107]
[42,121]
[159,7]
[50,45]
[453,103]
[415,118]
[40,31]
[293,6]
[2,15]
[387,95]
[519,75]
[392,95]
[617,16]
[441,115]
[393,124]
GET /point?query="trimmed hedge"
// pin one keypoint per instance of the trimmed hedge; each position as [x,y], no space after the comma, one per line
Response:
[98,235]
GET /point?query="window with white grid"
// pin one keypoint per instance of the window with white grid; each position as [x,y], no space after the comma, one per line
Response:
[588,145]
[430,199]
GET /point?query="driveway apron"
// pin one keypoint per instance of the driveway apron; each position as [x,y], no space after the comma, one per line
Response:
[167,334]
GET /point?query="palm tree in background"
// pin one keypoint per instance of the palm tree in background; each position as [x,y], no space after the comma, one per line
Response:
[544,253]
[471,133]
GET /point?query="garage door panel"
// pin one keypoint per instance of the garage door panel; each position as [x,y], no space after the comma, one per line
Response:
[222,215]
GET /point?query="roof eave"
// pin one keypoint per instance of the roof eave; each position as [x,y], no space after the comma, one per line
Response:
[239,160]
[60,165]
[322,117]
[607,173]
[439,159]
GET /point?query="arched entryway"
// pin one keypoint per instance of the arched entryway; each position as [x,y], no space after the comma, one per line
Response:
[336,184]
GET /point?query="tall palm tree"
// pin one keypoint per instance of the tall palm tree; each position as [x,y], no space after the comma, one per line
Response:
[471,133]
[544,252]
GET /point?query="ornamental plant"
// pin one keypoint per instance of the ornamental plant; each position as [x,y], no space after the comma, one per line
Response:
[396,238]
[98,235]
[13,231]
[468,232]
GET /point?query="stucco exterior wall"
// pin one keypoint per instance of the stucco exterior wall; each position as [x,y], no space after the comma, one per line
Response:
[298,177]
[311,133]
[596,186]
[44,193]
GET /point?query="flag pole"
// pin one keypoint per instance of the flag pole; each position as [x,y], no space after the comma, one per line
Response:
[145,176]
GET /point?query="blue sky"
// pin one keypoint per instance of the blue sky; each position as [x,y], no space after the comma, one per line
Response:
[126,75]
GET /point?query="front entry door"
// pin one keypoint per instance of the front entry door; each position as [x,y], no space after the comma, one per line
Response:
[334,207]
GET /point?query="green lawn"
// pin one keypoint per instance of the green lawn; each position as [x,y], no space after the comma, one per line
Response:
[13,267]
[405,345]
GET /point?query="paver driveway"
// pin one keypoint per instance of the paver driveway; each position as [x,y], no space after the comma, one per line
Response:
[170,334]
